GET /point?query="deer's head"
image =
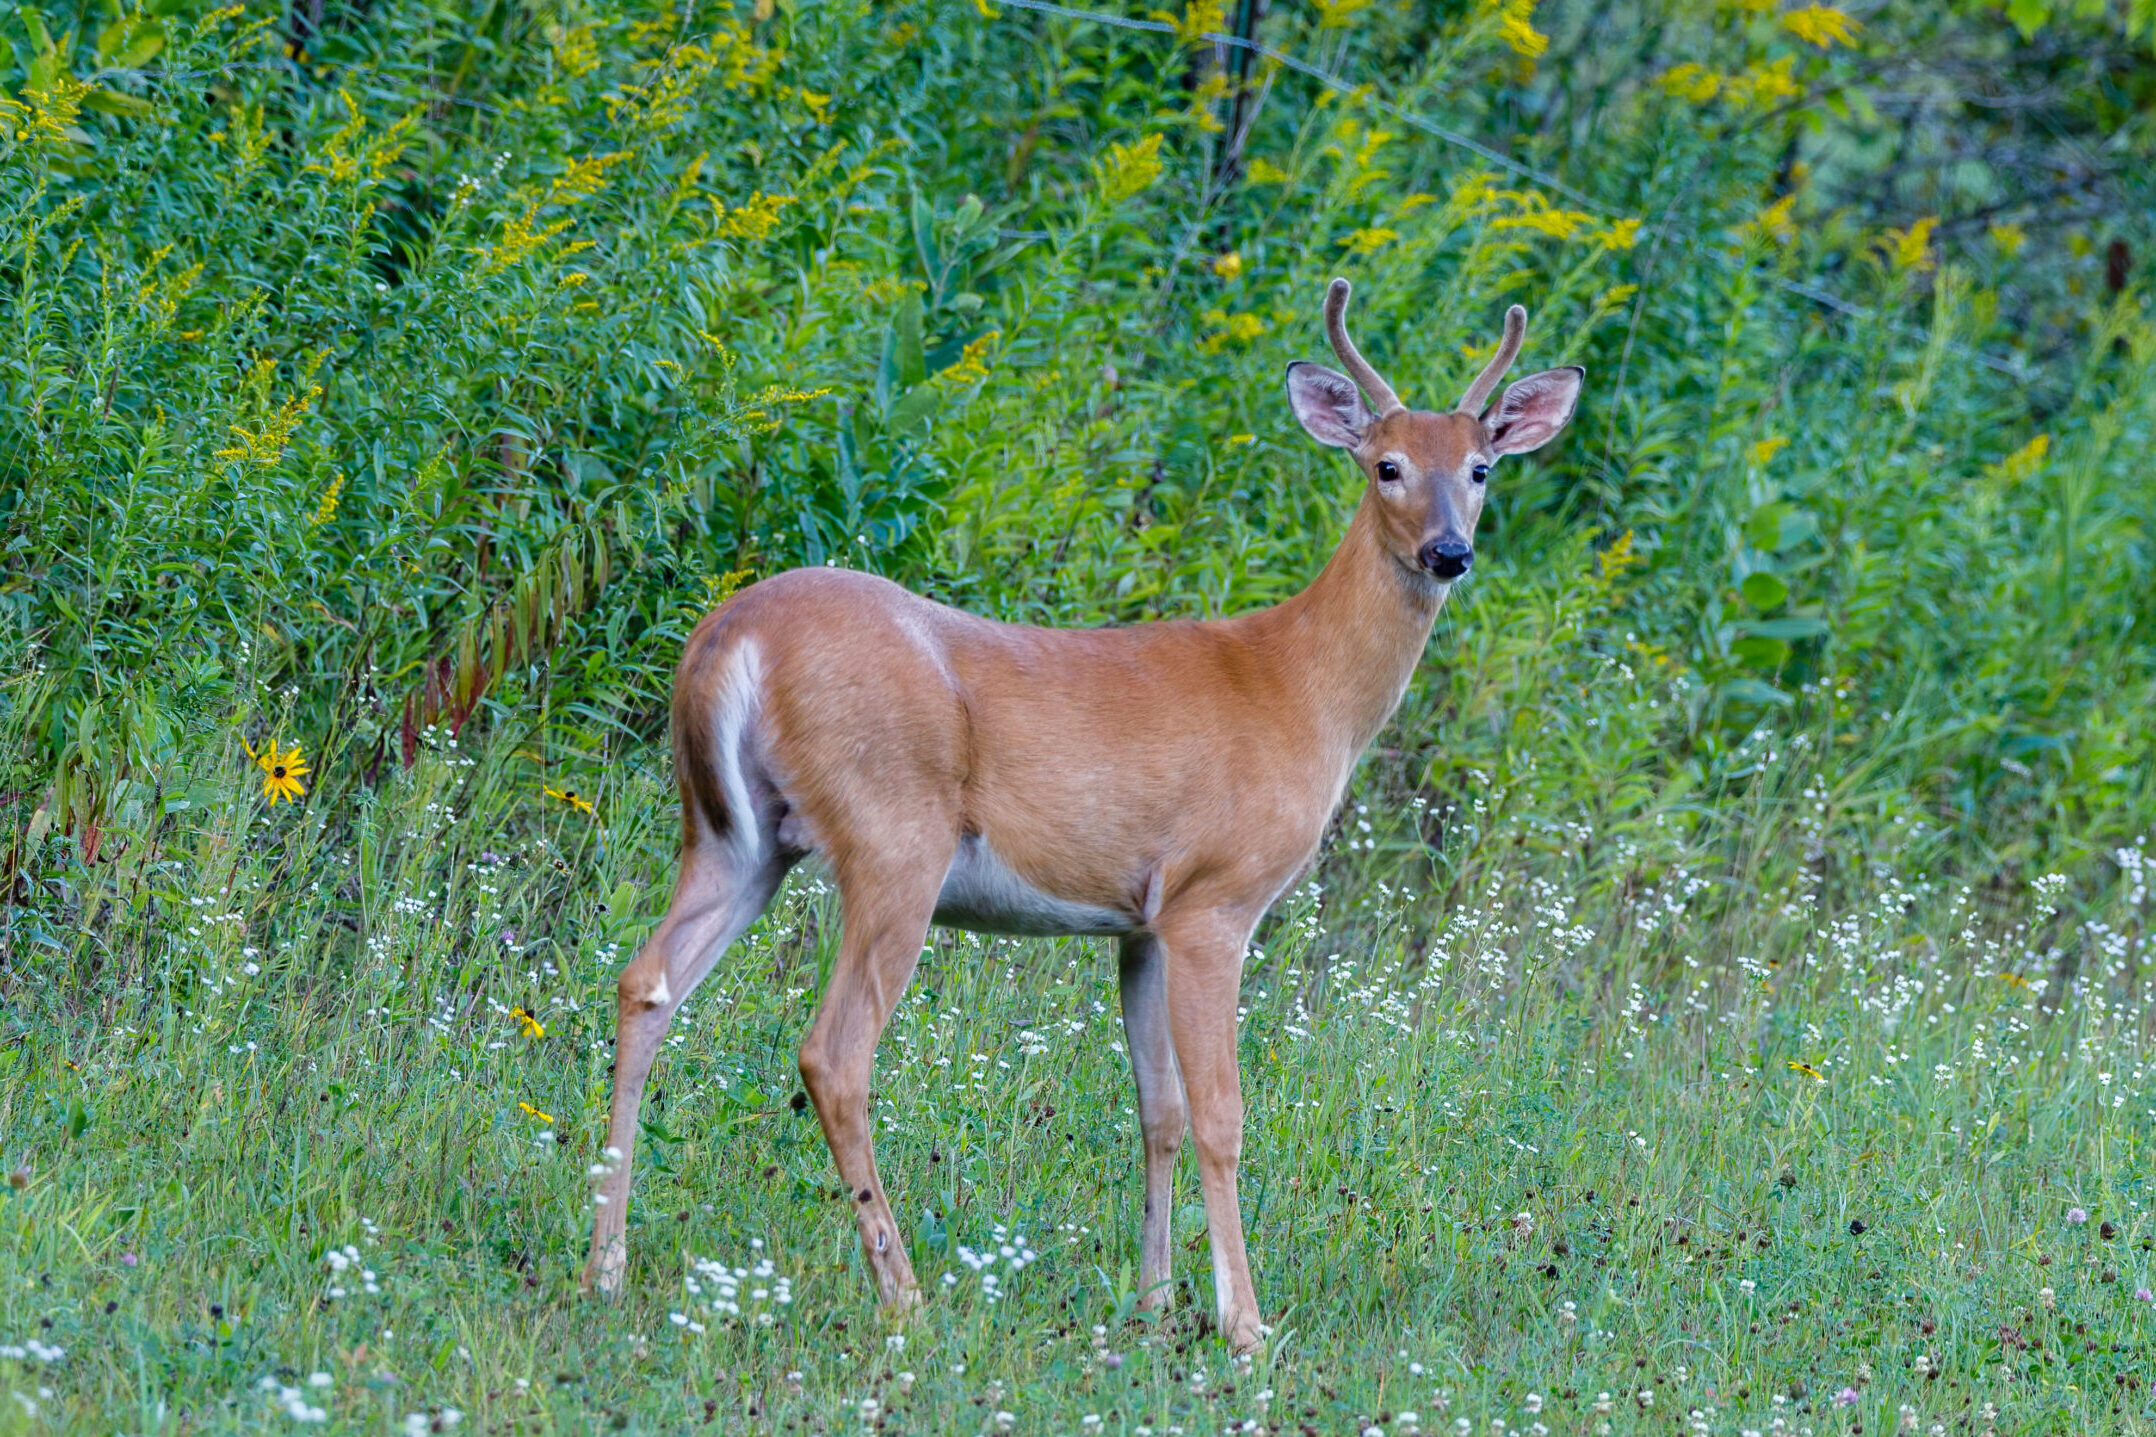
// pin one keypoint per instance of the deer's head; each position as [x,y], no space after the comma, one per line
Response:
[1427,472]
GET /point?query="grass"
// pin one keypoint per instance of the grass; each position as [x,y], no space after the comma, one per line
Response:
[1821,1165]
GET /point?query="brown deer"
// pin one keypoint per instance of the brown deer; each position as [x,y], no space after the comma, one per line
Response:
[1161,784]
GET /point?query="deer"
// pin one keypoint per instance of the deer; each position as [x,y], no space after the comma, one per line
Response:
[1158,783]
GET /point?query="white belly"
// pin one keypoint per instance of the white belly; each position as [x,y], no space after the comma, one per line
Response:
[982,893]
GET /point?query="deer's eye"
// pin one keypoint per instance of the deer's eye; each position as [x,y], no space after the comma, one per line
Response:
[1388,471]
[1480,473]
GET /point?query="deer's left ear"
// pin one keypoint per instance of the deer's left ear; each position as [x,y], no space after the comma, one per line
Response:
[1530,412]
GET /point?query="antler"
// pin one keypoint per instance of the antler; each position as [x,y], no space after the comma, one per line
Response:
[1508,349]
[1379,392]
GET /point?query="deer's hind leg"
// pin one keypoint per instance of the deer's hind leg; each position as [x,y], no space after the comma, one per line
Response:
[721,889]
[1162,1113]
[888,898]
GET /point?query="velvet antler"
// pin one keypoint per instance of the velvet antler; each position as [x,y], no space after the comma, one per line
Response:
[1508,349]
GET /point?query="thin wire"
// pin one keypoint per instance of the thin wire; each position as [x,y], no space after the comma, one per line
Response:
[1330,81]
[1340,85]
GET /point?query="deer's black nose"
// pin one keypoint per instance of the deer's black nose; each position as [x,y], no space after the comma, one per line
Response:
[1447,558]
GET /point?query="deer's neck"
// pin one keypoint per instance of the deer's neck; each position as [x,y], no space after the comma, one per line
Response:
[1355,635]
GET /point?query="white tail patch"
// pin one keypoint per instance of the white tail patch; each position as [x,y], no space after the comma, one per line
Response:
[740,694]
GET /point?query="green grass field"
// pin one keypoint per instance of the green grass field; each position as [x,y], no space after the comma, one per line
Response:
[1720,1007]
[1869,1166]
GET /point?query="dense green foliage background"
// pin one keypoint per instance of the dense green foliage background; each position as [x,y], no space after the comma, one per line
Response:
[402,381]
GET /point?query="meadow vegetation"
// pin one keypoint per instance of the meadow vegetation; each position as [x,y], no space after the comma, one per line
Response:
[1720,1007]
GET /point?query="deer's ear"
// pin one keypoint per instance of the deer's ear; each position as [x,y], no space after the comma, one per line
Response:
[1531,412]
[1329,406]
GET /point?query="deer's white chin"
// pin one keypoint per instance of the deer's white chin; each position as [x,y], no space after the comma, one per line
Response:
[1424,585]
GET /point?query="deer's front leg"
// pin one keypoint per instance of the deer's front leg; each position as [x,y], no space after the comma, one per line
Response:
[1205,966]
[887,909]
[1162,1113]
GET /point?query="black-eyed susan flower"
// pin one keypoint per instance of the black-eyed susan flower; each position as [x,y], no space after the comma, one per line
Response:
[571,797]
[1807,1070]
[282,770]
[537,1116]
[529,1023]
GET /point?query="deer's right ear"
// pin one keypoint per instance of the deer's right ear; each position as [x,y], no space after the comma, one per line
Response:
[1329,406]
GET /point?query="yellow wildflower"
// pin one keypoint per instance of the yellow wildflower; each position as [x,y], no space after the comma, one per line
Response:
[1202,95]
[327,509]
[1515,26]
[2014,980]
[1229,265]
[1265,172]
[2009,238]
[1909,249]
[1230,329]
[267,444]
[532,1028]
[754,220]
[1338,14]
[282,771]
[1763,85]
[971,365]
[571,797]
[1557,224]
[1690,81]
[1808,1071]
[1619,558]
[1620,234]
[1199,19]
[1821,25]
[520,241]
[2020,464]
[1128,170]
[718,588]
[547,1118]
[574,49]
[1774,222]
[1763,451]
[1369,240]
[584,178]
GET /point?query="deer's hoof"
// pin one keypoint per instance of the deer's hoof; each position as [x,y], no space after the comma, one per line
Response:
[1244,1333]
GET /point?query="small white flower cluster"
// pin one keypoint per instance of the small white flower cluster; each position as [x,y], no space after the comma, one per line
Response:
[609,1163]
[292,1401]
[32,1348]
[342,1260]
[419,1424]
[767,1290]
[1010,1249]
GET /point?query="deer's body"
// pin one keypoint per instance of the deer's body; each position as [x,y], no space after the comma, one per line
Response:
[1160,783]
[1081,780]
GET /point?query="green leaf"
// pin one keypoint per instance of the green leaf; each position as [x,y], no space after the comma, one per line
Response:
[1754,691]
[1793,627]
[1763,590]
[2028,16]
[916,408]
[1778,526]
[33,22]
[912,365]
[1760,652]
[112,102]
